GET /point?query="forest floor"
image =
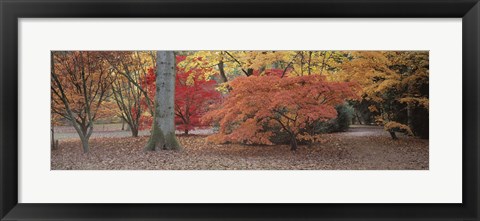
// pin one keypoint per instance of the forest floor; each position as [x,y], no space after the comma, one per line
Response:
[360,148]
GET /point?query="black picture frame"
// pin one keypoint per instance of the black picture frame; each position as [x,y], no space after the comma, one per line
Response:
[11,10]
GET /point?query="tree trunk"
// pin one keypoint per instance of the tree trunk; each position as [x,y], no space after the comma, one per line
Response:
[222,72]
[134,131]
[163,126]
[309,62]
[293,143]
[394,136]
[410,117]
[359,121]
[186,131]
[85,146]
[52,137]
[249,72]
[84,133]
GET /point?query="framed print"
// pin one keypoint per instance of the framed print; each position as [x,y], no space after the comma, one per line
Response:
[321,110]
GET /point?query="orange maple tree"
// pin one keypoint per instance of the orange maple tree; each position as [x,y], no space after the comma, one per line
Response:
[80,86]
[256,104]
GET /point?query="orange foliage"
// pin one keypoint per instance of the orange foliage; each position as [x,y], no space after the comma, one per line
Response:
[257,103]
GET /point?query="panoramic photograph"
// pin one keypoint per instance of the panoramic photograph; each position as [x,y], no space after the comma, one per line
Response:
[239,110]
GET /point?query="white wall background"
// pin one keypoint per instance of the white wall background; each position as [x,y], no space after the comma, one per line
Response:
[441,184]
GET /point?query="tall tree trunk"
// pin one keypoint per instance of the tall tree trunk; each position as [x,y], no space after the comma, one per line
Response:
[163,127]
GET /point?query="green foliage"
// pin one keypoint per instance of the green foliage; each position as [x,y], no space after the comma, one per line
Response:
[344,119]
[338,124]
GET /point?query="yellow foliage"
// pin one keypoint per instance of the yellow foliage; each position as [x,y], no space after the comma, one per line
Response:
[372,108]
[393,126]
[420,102]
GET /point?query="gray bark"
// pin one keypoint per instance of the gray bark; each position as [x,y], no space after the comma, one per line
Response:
[85,146]
[163,128]
[84,135]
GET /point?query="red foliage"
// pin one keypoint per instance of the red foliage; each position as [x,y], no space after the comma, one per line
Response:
[193,95]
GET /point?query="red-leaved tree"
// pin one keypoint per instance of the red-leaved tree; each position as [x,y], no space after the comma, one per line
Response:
[193,95]
[256,104]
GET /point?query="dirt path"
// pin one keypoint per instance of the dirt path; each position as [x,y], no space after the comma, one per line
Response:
[360,148]
[364,130]
[111,130]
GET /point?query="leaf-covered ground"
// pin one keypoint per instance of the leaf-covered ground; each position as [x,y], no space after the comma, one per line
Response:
[361,148]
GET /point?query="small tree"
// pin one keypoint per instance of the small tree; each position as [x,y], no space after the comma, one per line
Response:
[292,103]
[193,95]
[80,82]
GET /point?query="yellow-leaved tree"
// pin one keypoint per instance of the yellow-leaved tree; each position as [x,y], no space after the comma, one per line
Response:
[396,85]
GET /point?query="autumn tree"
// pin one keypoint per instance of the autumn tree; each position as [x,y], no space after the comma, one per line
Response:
[232,64]
[148,82]
[258,103]
[413,68]
[394,83]
[194,93]
[131,97]
[163,127]
[80,82]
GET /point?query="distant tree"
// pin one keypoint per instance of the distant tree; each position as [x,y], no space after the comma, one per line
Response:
[132,99]
[257,103]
